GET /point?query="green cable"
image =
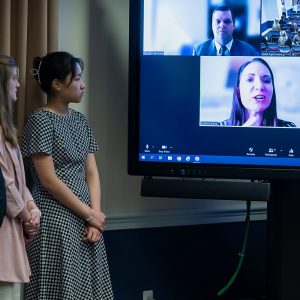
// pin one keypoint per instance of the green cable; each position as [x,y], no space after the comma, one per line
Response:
[242,254]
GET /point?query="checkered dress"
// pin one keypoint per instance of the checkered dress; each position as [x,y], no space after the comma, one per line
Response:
[63,265]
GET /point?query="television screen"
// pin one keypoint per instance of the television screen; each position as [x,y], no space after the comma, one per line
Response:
[213,89]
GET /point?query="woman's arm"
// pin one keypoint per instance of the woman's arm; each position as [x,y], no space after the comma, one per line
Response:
[16,205]
[44,167]
[93,182]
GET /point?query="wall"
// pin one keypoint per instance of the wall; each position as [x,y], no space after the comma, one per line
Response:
[97,31]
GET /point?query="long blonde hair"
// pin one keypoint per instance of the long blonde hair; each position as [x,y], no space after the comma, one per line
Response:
[7,64]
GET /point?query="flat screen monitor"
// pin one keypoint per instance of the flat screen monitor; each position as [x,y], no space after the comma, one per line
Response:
[214,89]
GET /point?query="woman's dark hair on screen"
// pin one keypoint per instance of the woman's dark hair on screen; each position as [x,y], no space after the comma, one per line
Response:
[238,111]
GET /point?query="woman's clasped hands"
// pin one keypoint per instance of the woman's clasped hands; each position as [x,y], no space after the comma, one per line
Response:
[95,226]
[32,225]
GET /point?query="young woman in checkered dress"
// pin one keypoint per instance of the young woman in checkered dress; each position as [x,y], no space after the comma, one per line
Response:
[68,257]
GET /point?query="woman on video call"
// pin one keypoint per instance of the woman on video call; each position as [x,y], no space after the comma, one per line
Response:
[254,97]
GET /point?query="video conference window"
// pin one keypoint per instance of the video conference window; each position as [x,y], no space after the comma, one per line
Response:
[245,27]
[263,93]
[240,46]
[193,27]
[222,68]
[280,28]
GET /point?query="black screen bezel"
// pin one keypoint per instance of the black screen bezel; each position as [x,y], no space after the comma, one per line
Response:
[136,167]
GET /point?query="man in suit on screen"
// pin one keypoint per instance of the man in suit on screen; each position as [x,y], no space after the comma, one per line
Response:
[223,43]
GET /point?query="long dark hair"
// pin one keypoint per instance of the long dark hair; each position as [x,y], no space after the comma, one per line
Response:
[238,111]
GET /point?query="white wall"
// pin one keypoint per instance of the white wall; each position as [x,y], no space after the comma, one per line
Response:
[97,31]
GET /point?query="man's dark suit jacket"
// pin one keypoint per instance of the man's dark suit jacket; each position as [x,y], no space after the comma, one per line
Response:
[2,198]
[239,48]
